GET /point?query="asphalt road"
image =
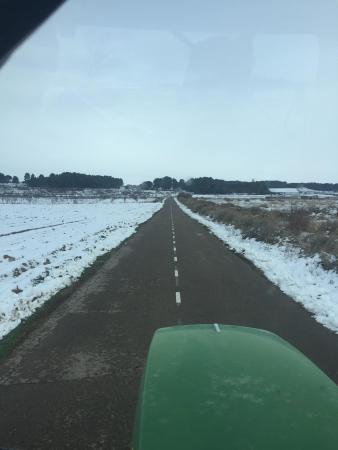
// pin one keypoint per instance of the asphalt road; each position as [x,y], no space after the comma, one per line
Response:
[73,382]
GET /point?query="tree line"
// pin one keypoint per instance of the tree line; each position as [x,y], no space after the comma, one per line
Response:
[200,185]
[8,178]
[73,180]
[65,180]
[163,184]
[209,185]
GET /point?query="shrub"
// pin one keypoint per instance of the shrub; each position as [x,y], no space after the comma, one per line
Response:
[184,195]
[299,220]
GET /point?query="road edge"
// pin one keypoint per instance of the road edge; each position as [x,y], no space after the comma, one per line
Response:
[16,336]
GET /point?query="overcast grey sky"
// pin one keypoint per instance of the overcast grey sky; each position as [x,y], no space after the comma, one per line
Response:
[138,89]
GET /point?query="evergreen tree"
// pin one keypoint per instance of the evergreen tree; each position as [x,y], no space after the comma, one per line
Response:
[146,185]
[75,180]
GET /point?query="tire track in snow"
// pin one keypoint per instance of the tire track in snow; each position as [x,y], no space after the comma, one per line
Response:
[39,228]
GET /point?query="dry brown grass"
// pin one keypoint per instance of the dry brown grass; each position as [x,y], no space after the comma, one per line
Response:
[297,226]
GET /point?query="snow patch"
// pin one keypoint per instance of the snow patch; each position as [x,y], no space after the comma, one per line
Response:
[36,263]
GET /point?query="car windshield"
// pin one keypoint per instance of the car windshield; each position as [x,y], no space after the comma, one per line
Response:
[169,224]
[237,90]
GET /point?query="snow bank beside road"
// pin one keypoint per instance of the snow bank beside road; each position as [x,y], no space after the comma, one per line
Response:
[302,278]
[36,264]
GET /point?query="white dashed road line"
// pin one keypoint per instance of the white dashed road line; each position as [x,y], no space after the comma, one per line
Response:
[217,328]
[177,292]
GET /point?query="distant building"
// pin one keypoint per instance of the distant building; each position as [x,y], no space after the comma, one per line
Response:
[285,192]
[299,192]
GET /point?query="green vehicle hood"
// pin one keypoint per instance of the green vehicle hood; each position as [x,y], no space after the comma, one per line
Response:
[209,387]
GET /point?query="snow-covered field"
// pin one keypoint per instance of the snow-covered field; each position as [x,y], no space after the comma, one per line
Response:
[44,247]
[274,203]
[325,204]
[22,194]
[302,278]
